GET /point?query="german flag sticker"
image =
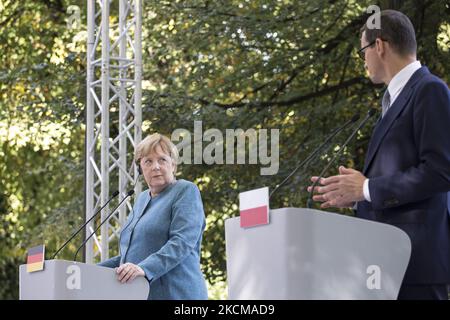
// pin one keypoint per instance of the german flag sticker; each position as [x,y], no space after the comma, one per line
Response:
[35,258]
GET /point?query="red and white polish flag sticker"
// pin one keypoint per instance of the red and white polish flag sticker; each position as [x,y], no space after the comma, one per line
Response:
[254,207]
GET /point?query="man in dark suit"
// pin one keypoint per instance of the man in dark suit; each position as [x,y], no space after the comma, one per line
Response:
[406,177]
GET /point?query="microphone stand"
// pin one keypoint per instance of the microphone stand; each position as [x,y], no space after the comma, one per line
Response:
[367,117]
[129,193]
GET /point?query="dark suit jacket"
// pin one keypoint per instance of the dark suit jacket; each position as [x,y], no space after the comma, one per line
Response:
[408,166]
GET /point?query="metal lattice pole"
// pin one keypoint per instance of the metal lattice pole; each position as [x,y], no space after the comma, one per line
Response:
[113,114]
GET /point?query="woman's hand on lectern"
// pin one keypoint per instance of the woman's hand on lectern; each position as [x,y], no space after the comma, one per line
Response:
[128,272]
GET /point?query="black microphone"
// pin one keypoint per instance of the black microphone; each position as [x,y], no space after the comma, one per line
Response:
[314,153]
[129,193]
[371,112]
[115,194]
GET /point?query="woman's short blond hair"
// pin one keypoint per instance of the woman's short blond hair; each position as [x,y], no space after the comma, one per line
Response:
[151,142]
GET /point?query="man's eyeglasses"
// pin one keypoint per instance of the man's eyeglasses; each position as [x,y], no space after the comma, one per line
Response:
[362,51]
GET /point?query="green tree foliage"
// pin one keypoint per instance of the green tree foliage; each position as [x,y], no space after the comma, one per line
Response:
[272,64]
[41,141]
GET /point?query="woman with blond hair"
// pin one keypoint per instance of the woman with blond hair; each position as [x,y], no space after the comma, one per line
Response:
[161,239]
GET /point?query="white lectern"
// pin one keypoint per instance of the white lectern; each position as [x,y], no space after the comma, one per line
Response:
[312,254]
[68,280]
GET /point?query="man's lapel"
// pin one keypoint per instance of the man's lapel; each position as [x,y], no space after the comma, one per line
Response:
[383,125]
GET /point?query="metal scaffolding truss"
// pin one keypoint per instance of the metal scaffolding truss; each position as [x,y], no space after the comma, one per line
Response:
[113,114]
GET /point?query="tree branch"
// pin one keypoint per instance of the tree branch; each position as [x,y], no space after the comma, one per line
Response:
[287,102]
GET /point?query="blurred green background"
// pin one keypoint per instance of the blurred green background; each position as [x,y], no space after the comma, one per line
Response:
[285,64]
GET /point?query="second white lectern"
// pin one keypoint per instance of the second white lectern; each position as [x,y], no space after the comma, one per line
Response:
[313,254]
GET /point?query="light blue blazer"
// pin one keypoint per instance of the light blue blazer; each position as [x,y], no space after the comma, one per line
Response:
[163,236]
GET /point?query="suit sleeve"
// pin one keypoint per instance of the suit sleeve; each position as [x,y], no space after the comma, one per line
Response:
[111,262]
[186,227]
[431,121]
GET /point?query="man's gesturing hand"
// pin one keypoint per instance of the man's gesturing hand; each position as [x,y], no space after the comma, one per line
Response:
[340,191]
